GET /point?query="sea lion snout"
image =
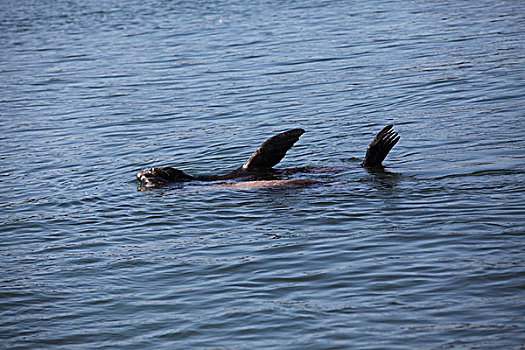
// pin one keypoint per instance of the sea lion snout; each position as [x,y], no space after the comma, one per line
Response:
[140,174]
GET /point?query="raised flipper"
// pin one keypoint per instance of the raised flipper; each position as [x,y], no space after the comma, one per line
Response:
[379,147]
[273,150]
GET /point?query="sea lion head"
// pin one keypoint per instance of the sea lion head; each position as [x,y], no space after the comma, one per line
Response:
[158,177]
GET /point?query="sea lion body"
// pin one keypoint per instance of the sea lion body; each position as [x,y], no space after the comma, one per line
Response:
[259,169]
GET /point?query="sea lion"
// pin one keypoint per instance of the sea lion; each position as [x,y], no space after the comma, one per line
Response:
[260,166]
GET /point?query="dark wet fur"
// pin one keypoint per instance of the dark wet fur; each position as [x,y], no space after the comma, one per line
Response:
[259,167]
[378,149]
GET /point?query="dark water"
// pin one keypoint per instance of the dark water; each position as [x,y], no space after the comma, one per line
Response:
[428,256]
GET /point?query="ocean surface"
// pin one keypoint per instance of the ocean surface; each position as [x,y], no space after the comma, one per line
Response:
[429,254]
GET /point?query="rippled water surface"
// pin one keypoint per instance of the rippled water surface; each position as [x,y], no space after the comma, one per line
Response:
[428,255]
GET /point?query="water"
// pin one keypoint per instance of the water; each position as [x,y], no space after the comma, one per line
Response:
[428,256]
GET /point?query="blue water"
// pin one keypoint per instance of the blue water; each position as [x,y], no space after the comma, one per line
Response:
[429,255]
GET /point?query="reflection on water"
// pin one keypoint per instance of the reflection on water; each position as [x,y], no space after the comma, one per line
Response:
[382,178]
[426,253]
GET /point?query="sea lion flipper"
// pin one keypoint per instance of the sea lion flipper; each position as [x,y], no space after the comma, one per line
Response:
[270,153]
[379,147]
